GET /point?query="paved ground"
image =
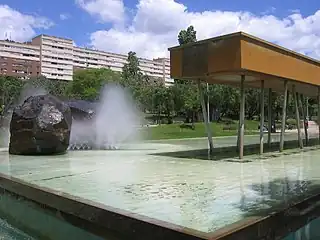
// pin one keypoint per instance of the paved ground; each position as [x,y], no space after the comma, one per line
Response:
[203,195]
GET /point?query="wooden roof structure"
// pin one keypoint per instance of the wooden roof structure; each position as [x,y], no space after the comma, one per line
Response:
[224,59]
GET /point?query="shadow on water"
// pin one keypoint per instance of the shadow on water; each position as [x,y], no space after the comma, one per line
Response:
[277,195]
[287,201]
[227,153]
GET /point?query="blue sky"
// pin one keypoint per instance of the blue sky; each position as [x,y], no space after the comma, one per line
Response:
[80,24]
[86,28]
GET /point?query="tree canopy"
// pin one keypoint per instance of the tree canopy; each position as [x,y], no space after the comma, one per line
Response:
[187,36]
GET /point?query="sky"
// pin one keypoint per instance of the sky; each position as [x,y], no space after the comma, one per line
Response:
[149,27]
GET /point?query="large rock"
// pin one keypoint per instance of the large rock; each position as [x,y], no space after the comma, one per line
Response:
[40,126]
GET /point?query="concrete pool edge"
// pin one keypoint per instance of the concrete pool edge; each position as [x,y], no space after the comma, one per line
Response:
[97,218]
[101,220]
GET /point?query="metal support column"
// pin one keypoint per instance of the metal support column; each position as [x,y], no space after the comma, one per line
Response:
[269,116]
[205,117]
[304,108]
[296,98]
[319,113]
[242,115]
[261,116]
[284,113]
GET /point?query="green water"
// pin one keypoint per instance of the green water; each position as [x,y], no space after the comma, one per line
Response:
[9,232]
[26,219]
[309,232]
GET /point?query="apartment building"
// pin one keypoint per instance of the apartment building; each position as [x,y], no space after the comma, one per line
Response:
[57,58]
[165,62]
[19,59]
[90,58]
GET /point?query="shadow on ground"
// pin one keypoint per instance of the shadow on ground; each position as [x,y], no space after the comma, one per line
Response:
[230,153]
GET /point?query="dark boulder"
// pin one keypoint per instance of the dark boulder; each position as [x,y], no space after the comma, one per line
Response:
[40,126]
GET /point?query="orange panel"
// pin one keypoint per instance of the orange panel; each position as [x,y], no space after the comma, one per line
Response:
[266,59]
[224,55]
[176,63]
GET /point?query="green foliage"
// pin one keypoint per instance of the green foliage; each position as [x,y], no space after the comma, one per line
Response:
[133,79]
[54,87]
[87,83]
[187,36]
[10,89]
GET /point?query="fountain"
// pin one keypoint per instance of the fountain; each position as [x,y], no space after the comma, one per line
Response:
[103,125]
[114,120]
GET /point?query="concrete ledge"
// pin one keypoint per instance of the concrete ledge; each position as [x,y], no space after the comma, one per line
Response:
[97,218]
[109,223]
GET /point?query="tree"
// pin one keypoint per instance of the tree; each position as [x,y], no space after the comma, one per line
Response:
[131,70]
[188,89]
[133,79]
[187,36]
[55,87]
[87,83]
[252,103]
[10,88]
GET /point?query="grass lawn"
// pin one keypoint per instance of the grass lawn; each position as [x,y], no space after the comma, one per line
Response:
[173,131]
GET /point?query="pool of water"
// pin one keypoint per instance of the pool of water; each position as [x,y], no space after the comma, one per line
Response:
[310,231]
[25,220]
[201,195]
[9,232]
[192,193]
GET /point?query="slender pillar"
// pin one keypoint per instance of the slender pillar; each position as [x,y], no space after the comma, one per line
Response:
[242,115]
[208,102]
[295,97]
[261,116]
[205,117]
[269,117]
[319,113]
[304,108]
[307,107]
[284,113]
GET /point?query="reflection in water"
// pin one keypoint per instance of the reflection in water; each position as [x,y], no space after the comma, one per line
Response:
[269,194]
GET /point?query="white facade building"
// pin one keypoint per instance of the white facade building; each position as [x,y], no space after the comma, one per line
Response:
[57,58]
[89,58]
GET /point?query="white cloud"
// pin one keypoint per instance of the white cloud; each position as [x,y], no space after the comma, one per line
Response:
[106,10]
[157,23]
[64,16]
[20,27]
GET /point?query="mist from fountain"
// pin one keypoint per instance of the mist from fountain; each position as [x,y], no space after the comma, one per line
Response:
[115,122]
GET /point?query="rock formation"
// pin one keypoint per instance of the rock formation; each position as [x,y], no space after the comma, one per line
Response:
[40,126]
